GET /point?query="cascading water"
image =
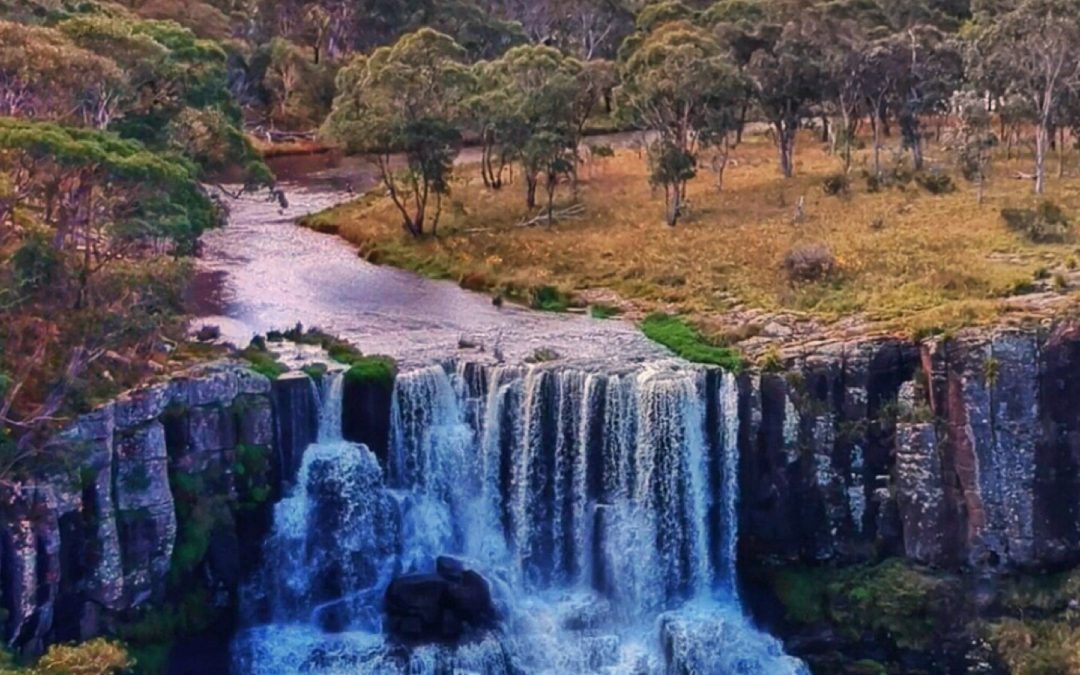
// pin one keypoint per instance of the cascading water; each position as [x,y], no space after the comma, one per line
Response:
[600,506]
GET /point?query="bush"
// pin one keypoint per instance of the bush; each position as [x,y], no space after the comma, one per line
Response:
[809,262]
[935,183]
[549,299]
[836,184]
[1044,224]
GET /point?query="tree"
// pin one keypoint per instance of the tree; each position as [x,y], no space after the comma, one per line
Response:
[406,98]
[94,224]
[543,88]
[44,75]
[1035,50]
[975,141]
[789,78]
[680,83]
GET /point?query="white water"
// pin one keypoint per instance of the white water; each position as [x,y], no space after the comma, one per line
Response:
[599,506]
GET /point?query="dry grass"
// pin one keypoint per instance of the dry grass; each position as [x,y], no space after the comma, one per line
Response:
[904,257]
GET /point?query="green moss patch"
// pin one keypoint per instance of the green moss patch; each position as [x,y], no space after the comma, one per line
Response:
[263,362]
[373,370]
[680,337]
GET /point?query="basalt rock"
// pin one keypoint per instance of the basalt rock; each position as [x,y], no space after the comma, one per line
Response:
[438,608]
[83,548]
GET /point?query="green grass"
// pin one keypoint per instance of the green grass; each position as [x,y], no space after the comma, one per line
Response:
[263,362]
[685,341]
[604,311]
[550,299]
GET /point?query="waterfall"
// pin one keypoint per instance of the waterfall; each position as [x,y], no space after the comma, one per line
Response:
[600,506]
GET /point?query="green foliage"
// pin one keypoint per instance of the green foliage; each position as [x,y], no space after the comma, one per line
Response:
[1037,647]
[262,361]
[896,600]
[251,475]
[405,98]
[686,342]
[379,371]
[549,299]
[601,311]
[1046,223]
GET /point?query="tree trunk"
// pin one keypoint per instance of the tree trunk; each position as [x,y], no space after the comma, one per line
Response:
[674,204]
[530,190]
[1041,141]
[875,129]
[1061,152]
[552,182]
[785,131]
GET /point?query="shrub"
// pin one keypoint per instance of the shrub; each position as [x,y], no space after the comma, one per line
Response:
[809,262]
[836,184]
[873,182]
[936,183]
[96,657]
[1046,223]
[674,333]
[601,311]
[549,299]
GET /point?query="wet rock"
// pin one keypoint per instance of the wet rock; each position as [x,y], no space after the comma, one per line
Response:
[440,607]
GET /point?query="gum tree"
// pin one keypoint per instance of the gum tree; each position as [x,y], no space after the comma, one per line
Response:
[680,83]
[406,99]
[1034,52]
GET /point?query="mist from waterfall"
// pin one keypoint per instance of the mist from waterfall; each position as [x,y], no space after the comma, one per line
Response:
[600,506]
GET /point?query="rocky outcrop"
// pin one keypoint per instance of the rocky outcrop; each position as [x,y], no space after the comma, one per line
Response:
[957,452]
[98,538]
[440,607]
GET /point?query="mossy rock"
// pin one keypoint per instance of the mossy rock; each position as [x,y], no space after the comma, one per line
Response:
[380,371]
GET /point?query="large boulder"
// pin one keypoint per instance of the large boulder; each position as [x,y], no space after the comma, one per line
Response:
[442,607]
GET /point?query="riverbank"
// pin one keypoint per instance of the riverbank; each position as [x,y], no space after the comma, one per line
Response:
[763,257]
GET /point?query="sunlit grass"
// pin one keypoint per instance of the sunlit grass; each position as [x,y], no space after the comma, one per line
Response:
[907,259]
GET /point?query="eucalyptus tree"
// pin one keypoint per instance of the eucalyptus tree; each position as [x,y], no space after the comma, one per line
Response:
[790,78]
[680,83]
[1034,51]
[543,89]
[406,98]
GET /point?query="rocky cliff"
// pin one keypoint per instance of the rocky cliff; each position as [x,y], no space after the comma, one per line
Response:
[160,495]
[960,451]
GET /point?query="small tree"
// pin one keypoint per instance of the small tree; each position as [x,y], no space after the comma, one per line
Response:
[542,87]
[680,83]
[406,98]
[1034,51]
[790,77]
[975,140]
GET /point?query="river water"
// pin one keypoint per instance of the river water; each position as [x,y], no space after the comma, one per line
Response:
[261,272]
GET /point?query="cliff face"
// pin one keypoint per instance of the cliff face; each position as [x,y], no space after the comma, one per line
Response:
[960,453]
[957,452]
[96,540]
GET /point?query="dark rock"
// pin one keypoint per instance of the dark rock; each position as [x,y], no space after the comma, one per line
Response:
[439,608]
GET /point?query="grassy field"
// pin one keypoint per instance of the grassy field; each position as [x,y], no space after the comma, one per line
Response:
[906,260]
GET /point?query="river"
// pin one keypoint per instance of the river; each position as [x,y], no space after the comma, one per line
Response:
[262,272]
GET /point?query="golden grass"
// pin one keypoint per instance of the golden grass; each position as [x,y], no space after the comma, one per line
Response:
[907,259]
